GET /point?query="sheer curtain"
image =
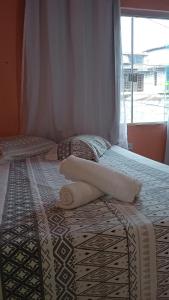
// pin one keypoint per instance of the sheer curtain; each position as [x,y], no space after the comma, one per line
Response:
[166,158]
[71,69]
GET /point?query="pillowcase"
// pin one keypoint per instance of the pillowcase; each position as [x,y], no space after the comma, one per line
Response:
[89,147]
[20,147]
[52,154]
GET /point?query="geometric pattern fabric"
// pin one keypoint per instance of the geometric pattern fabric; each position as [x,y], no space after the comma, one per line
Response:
[103,250]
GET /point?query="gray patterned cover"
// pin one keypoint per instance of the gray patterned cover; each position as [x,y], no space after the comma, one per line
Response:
[104,250]
[90,147]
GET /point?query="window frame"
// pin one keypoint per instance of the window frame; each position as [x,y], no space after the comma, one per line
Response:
[143,13]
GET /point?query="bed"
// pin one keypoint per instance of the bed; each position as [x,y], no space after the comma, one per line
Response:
[103,250]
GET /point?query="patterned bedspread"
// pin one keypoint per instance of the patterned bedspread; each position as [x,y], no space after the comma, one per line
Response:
[104,250]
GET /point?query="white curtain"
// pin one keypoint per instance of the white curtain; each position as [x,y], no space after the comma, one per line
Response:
[166,158]
[71,69]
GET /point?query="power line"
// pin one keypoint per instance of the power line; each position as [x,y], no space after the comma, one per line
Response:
[156,22]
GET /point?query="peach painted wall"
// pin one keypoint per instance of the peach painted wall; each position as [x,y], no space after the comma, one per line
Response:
[148,140]
[11,26]
[162,5]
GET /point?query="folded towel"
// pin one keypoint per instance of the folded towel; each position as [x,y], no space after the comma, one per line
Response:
[109,181]
[76,194]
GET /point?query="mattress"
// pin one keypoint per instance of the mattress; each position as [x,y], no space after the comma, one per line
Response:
[103,250]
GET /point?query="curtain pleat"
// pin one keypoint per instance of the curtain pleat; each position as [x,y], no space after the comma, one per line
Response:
[71,78]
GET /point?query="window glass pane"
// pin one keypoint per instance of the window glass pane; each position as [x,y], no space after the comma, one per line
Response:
[150,76]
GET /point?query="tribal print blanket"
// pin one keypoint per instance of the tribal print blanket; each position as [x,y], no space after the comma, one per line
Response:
[104,250]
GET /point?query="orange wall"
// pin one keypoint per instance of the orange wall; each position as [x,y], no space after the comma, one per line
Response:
[162,5]
[148,140]
[11,26]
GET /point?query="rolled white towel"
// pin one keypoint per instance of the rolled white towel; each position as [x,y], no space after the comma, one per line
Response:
[76,194]
[109,181]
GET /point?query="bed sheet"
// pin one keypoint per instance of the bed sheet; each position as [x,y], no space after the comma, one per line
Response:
[104,250]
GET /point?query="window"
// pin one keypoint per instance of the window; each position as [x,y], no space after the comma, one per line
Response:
[145,48]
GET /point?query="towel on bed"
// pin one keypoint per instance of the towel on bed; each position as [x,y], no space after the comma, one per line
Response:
[76,194]
[109,181]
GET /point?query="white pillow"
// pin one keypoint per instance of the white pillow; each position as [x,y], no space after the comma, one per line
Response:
[21,146]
